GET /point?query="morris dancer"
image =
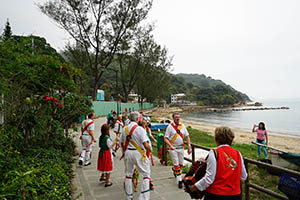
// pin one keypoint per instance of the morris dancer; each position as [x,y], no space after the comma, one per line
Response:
[135,145]
[87,139]
[174,138]
[118,130]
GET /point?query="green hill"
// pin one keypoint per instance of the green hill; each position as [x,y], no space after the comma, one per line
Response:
[206,90]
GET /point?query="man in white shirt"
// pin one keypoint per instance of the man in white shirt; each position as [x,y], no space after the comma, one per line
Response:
[135,146]
[87,139]
[174,137]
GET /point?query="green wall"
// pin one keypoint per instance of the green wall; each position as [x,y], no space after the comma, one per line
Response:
[102,108]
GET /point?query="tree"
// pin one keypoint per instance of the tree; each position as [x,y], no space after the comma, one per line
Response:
[100,27]
[25,78]
[154,81]
[132,59]
[7,33]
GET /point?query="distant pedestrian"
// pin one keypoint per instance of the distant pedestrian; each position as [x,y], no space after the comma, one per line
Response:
[174,137]
[87,139]
[225,169]
[261,138]
[135,146]
[105,159]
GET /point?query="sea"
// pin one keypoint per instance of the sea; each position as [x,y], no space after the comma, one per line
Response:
[283,122]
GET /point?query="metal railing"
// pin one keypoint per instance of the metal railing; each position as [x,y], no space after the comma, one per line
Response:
[247,161]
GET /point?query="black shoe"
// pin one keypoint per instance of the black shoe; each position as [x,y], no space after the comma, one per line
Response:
[80,162]
[102,179]
[87,164]
[180,184]
[114,154]
[107,185]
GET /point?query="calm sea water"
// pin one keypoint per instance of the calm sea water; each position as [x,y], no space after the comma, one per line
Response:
[286,122]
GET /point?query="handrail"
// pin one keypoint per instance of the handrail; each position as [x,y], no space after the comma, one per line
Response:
[247,161]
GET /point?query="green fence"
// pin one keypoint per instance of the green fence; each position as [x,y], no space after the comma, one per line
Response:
[102,108]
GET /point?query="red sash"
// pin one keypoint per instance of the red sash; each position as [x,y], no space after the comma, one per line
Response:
[127,140]
[178,131]
[120,123]
[85,128]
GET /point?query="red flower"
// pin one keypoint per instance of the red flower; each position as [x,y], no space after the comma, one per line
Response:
[47,98]
[59,105]
[54,99]
[43,96]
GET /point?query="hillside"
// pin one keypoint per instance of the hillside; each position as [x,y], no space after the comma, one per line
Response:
[200,80]
[206,90]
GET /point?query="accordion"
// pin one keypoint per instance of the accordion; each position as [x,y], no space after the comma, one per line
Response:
[196,172]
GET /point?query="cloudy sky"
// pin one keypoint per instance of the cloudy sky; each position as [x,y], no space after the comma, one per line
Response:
[252,45]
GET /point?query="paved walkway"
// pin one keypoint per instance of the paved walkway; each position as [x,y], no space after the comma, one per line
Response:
[86,179]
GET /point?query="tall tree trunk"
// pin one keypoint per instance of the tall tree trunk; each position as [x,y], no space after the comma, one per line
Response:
[95,89]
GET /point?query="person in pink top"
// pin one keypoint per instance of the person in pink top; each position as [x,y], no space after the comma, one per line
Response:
[261,138]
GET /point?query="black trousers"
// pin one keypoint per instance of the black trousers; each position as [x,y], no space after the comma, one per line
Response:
[111,119]
[209,196]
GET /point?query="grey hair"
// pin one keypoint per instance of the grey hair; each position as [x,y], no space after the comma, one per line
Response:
[134,116]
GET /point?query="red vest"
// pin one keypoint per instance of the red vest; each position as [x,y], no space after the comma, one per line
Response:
[228,174]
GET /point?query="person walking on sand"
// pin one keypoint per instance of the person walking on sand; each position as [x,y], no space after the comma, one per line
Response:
[225,169]
[261,138]
[135,146]
[174,137]
[105,159]
[87,139]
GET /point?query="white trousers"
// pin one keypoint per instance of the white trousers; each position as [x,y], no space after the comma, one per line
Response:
[134,158]
[86,142]
[177,156]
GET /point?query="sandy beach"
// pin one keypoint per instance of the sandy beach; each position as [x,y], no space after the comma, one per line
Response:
[276,140]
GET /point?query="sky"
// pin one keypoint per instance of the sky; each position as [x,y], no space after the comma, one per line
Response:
[252,45]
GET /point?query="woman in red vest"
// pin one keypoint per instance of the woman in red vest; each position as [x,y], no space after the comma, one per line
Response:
[224,170]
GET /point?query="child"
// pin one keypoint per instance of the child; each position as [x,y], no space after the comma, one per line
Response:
[105,161]
[262,138]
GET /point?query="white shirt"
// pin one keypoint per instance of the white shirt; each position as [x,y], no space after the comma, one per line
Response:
[170,132]
[211,169]
[117,124]
[91,127]
[139,136]
[109,143]
[127,121]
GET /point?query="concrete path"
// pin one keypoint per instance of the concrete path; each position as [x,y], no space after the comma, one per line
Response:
[86,179]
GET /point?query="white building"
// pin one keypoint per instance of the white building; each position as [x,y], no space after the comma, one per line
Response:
[177,98]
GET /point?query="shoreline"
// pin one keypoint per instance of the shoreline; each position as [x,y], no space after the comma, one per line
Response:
[288,143]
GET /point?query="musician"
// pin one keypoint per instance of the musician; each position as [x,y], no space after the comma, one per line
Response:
[135,149]
[174,137]
[87,139]
[224,169]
